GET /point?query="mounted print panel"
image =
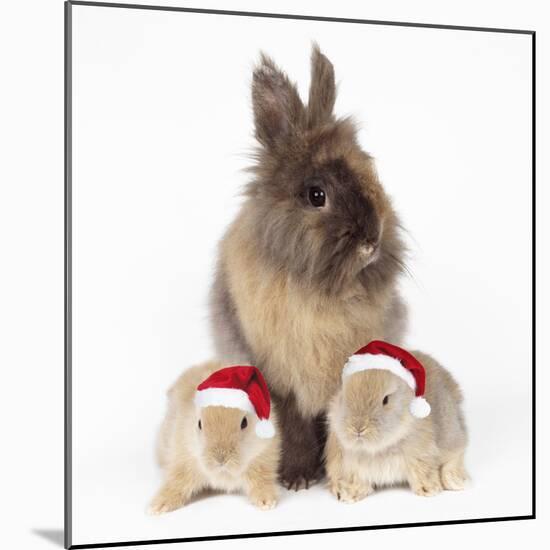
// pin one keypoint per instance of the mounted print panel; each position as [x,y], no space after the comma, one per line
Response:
[278,193]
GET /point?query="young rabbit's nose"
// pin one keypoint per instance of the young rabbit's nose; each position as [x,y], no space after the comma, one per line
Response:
[221,457]
[361,430]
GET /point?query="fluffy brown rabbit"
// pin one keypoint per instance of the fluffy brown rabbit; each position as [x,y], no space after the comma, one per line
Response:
[375,439]
[308,269]
[212,447]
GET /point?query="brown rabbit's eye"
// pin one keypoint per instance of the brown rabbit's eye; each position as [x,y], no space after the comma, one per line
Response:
[385,400]
[200,425]
[316,196]
[244,423]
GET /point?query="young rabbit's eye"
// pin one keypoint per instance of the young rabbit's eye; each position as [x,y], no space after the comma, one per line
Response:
[385,400]
[316,196]
[200,425]
[244,423]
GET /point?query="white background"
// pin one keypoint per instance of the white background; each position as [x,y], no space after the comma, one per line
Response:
[33,290]
[162,124]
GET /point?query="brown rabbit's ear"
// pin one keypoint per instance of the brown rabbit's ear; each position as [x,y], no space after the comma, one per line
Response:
[322,90]
[278,109]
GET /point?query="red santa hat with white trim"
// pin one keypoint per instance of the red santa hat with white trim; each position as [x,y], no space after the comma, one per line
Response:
[384,356]
[239,387]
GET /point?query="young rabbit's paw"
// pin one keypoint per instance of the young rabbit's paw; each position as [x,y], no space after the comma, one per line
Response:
[165,501]
[350,491]
[264,501]
[453,479]
[428,487]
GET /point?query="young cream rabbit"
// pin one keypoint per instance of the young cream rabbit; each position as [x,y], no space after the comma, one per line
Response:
[308,269]
[212,442]
[380,434]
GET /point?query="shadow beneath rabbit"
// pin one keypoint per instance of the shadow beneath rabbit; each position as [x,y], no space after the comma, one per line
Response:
[198,497]
[395,488]
[55,536]
[204,494]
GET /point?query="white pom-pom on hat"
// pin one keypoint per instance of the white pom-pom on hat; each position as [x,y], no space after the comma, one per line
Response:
[265,429]
[419,407]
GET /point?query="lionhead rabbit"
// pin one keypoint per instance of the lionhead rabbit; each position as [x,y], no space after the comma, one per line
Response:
[307,271]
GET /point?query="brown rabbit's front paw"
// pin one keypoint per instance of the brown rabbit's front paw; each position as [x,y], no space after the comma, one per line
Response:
[302,475]
[303,441]
[350,490]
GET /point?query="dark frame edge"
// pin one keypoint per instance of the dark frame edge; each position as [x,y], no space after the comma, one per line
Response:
[68,274]
[296,16]
[302,532]
[534,267]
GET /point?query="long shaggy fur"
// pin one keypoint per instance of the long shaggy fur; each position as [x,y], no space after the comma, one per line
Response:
[299,288]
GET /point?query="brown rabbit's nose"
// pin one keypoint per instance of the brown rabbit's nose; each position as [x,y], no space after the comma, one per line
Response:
[368,252]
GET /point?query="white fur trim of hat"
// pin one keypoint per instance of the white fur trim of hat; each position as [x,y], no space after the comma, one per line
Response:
[381,360]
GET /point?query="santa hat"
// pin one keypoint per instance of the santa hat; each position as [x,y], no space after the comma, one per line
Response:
[383,356]
[239,387]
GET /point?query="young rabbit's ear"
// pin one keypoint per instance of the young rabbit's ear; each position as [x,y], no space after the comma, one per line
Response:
[322,90]
[278,109]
